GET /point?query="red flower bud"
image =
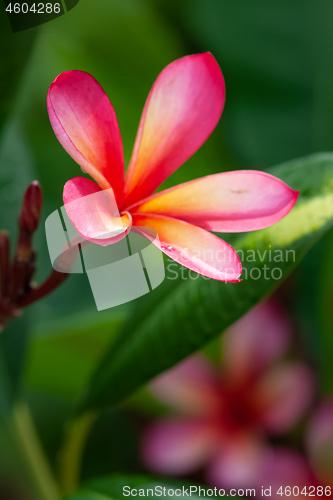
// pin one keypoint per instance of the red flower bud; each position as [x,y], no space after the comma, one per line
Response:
[31,207]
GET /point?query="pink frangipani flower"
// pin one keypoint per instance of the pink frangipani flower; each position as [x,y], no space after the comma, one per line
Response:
[221,420]
[181,111]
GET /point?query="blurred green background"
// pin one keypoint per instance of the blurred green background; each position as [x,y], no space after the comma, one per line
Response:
[276,57]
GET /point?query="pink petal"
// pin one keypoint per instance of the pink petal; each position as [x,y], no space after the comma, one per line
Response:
[260,466]
[256,340]
[85,123]
[181,111]
[190,388]
[174,446]
[230,202]
[94,213]
[283,467]
[283,395]
[238,464]
[320,442]
[192,247]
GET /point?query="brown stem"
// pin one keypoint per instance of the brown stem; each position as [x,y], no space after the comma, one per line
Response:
[31,269]
[15,277]
[54,281]
[20,278]
[8,310]
[4,261]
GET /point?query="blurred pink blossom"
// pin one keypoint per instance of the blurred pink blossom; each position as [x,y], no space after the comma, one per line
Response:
[286,471]
[222,417]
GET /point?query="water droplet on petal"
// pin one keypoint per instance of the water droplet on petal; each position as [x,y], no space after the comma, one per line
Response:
[169,247]
[83,171]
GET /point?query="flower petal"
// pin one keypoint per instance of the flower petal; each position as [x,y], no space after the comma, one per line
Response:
[283,395]
[190,387]
[257,339]
[85,123]
[94,213]
[320,442]
[284,467]
[230,202]
[192,247]
[181,111]
[174,446]
[238,464]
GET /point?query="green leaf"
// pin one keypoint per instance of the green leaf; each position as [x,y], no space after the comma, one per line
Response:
[173,322]
[15,48]
[111,488]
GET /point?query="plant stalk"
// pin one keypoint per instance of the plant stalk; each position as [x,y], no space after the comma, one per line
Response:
[70,458]
[32,453]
